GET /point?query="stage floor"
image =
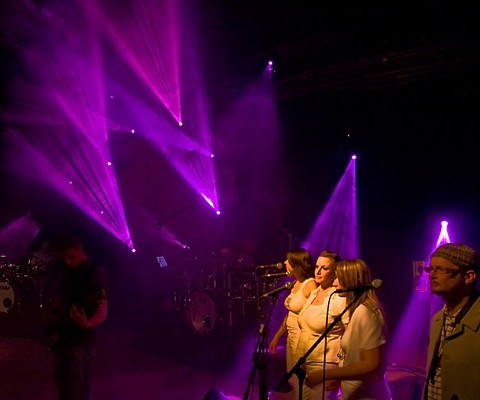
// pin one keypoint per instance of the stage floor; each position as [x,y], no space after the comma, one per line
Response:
[167,363]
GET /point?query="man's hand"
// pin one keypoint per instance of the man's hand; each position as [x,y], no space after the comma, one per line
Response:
[78,316]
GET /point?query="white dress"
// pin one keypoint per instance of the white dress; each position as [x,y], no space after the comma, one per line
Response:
[294,303]
[313,322]
[366,330]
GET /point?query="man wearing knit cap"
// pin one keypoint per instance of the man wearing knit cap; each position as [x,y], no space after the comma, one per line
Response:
[453,365]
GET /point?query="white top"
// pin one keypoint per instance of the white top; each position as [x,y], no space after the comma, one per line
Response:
[294,303]
[365,331]
[313,322]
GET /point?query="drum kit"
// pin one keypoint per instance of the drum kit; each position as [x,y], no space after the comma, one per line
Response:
[221,299]
[19,284]
[7,296]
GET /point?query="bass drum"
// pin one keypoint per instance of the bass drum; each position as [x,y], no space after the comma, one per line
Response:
[7,297]
[201,313]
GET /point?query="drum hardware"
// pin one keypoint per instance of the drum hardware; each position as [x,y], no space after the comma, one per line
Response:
[216,300]
[12,272]
[201,313]
[180,299]
[7,297]
[22,285]
[208,280]
[241,285]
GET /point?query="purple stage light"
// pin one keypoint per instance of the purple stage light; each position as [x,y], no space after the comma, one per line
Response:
[443,237]
[67,62]
[337,225]
[407,346]
[17,236]
[208,200]
[50,160]
[136,39]
[187,150]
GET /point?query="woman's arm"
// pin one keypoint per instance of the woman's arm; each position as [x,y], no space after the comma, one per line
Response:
[369,363]
[280,332]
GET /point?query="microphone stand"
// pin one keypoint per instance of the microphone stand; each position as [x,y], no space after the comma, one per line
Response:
[260,354]
[297,368]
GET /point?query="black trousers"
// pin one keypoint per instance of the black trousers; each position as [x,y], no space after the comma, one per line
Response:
[72,368]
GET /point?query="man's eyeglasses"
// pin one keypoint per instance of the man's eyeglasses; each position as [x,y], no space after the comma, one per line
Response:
[441,271]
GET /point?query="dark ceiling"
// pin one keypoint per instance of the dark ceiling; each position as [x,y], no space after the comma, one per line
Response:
[354,46]
[396,82]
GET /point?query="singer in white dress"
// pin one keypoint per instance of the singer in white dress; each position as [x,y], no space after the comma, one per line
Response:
[318,313]
[299,264]
[362,353]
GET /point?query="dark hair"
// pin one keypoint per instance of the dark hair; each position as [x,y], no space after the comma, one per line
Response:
[302,260]
[66,242]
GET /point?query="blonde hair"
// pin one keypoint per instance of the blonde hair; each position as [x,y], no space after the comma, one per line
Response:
[355,272]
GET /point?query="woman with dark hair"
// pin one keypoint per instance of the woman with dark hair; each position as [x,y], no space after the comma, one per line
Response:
[318,312]
[299,264]
[362,353]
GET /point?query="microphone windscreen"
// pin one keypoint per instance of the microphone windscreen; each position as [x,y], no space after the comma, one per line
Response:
[376,283]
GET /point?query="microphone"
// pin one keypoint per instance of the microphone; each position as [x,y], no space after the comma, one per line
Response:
[287,285]
[375,284]
[277,265]
[278,275]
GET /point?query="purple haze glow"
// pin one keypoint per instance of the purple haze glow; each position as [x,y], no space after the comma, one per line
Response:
[79,176]
[337,226]
[147,39]
[409,343]
[66,62]
[17,236]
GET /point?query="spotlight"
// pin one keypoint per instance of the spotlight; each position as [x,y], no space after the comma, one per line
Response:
[354,157]
[133,131]
[218,212]
[134,251]
[270,66]
[444,237]
[109,163]
[180,123]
